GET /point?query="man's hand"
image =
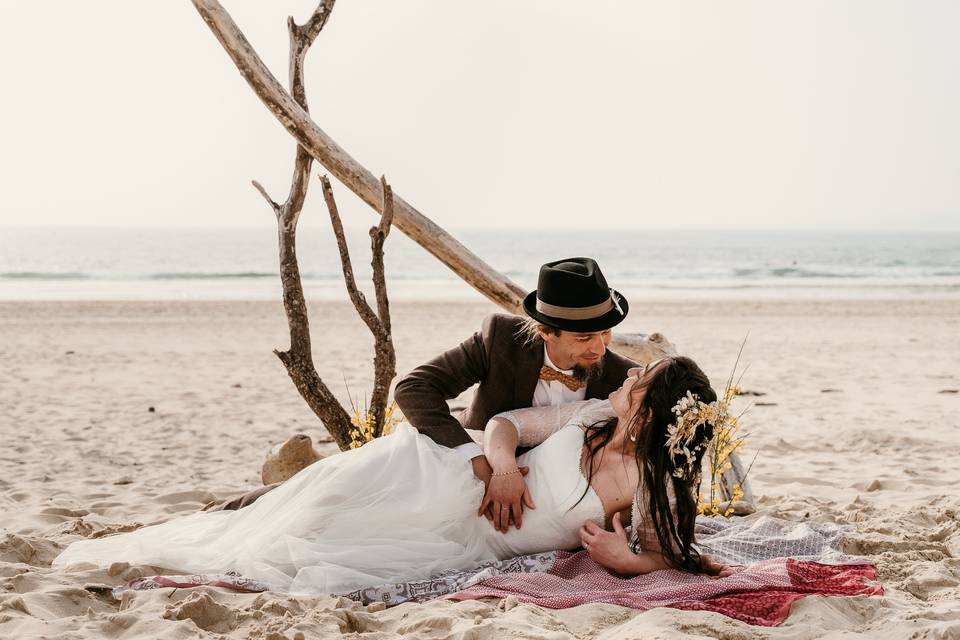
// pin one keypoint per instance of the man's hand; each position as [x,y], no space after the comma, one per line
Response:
[504,498]
[483,471]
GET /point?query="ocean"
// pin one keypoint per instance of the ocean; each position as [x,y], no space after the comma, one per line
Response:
[241,264]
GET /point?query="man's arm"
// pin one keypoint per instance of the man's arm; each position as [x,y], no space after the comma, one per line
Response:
[423,393]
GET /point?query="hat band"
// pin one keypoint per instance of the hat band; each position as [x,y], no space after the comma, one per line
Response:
[575,313]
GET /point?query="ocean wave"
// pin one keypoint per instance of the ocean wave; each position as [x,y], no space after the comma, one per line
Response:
[791,272]
[188,275]
[40,275]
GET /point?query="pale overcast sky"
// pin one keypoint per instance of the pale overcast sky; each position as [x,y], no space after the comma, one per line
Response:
[828,114]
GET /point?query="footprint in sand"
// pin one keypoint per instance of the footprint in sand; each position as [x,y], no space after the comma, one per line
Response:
[28,550]
[61,511]
[201,497]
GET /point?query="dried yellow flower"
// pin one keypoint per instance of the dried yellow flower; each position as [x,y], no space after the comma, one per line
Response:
[366,424]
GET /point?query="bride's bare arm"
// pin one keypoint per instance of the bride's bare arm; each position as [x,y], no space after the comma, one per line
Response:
[611,550]
[507,493]
[500,441]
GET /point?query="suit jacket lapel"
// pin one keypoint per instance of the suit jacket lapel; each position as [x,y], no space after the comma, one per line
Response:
[527,372]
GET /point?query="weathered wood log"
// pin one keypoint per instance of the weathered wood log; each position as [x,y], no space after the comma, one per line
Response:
[385,359]
[347,170]
[422,230]
[298,359]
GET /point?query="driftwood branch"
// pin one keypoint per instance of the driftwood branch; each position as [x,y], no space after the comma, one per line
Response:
[298,359]
[266,196]
[295,118]
[378,235]
[384,359]
[356,296]
[293,115]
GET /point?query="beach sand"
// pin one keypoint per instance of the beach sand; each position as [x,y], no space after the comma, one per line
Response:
[118,413]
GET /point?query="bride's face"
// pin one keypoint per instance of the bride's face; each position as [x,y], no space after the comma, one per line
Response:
[631,393]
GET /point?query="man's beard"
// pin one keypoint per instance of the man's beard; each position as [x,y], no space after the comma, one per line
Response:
[588,374]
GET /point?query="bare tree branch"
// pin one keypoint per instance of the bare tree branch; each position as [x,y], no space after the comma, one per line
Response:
[312,27]
[319,145]
[378,235]
[266,196]
[291,111]
[356,296]
[477,273]
[298,359]
[384,359]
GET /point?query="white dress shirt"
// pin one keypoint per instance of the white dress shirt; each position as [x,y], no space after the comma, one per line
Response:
[546,393]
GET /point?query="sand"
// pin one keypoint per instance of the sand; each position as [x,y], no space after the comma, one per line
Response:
[113,414]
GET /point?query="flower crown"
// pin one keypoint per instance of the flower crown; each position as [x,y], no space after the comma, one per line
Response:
[724,442]
[692,414]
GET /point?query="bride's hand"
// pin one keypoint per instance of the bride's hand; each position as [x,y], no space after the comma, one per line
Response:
[506,496]
[716,569]
[609,549]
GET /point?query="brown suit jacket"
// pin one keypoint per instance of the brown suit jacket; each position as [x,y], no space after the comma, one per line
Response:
[507,370]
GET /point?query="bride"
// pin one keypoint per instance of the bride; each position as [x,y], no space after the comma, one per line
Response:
[402,507]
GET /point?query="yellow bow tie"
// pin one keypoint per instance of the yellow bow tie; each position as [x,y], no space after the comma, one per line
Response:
[570,382]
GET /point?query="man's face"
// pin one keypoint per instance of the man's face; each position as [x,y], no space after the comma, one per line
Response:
[571,350]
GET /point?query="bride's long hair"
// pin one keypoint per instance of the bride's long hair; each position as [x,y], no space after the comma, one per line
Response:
[649,425]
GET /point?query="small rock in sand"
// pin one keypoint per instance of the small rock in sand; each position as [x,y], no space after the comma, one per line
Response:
[286,459]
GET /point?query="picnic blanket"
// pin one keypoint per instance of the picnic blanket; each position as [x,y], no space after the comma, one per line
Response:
[782,562]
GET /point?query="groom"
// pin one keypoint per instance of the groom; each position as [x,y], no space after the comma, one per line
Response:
[557,355]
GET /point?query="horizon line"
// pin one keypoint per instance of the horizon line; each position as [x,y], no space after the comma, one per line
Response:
[561,229]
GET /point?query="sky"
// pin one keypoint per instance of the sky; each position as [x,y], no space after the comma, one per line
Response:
[834,115]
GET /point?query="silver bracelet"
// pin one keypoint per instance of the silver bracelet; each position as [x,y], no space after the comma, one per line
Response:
[505,473]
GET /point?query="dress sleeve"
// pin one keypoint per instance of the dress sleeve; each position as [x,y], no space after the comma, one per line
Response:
[536,424]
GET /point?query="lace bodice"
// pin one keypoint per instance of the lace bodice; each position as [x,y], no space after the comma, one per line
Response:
[536,424]
[564,500]
[539,425]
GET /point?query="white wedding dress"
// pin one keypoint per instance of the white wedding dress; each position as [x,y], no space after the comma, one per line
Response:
[399,508]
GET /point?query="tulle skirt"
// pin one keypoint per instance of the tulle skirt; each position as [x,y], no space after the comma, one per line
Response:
[399,508]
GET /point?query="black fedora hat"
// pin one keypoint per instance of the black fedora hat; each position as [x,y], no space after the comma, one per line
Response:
[573,295]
